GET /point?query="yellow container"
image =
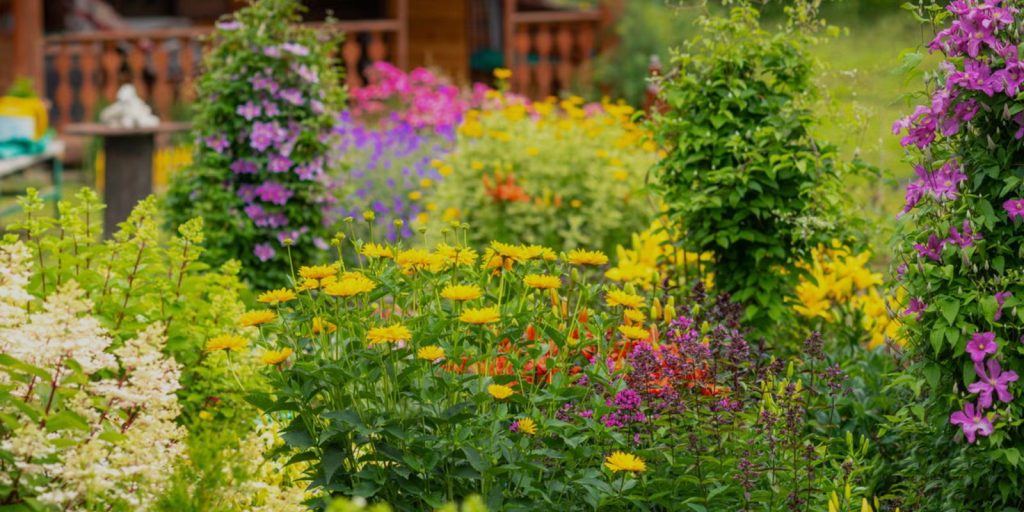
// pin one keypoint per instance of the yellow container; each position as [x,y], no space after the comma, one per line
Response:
[22,117]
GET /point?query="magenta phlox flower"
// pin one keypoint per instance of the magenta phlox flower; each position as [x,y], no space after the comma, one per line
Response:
[982,344]
[995,380]
[972,422]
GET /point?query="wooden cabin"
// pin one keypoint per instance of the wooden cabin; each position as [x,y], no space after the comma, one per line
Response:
[78,52]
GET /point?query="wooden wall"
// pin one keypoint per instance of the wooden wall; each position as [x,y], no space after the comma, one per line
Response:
[439,36]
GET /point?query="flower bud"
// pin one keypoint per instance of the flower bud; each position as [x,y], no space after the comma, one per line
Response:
[368,215]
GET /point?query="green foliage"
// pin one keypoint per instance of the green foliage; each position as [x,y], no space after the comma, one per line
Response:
[22,88]
[254,179]
[138,278]
[968,170]
[743,175]
[563,175]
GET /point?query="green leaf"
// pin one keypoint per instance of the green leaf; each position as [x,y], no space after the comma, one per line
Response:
[950,308]
[475,460]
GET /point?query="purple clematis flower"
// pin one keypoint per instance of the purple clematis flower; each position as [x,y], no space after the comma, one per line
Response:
[264,251]
[972,421]
[1000,300]
[994,381]
[933,249]
[264,135]
[1014,208]
[218,143]
[244,167]
[966,238]
[916,306]
[292,95]
[295,49]
[248,110]
[982,344]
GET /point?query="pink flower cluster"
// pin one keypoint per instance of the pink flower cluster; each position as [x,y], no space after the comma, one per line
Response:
[418,98]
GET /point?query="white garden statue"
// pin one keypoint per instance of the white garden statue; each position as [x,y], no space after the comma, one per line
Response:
[129,111]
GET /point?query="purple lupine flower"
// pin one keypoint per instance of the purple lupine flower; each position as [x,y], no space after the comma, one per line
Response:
[295,49]
[272,51]
[933,249]
[982,344]
[972,421]
[1014,208]
[995,380]
[243,167]
[915,306]
[292,95]
[248,110]
[279,163]
[263,135]
[218,143]
[264,251]
[964,238]
[1000,300]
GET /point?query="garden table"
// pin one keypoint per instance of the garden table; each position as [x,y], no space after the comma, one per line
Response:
[129,165]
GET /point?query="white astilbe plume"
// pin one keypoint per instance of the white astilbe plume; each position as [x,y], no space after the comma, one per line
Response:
[15,272]
[109,438]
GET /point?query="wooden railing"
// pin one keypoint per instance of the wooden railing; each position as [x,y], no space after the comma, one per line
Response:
[84,71]
[548,51]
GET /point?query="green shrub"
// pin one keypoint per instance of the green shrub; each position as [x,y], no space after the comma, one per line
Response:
[743,175]
[563,175]
[264,116]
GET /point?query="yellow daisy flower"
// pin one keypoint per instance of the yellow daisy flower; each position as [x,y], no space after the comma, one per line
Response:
[499,391]
[226,342]
[584,257]
[414,259]
[390,334]
[372,250]
[624,299]
[634,315]
[251,318]
[273,357]
[619,461]
[430,353]
[527,426]
[633,332]
[350,284]
[479,316]
[461,292]
[542,282]
[318,271]
[275,297]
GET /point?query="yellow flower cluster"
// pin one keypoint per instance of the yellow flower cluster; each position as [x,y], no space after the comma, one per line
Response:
[836,281]
[652,254]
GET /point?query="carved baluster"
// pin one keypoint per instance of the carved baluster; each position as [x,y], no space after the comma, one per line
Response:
[162,95]
[376,49]
[111,62]
[137,65]
[87,64]
[350,52]
[544,74]
[188,69]
[564,68]
[586,45]
[63,94]
[521,72]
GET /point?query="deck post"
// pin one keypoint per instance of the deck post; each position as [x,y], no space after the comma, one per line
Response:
[28,42]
